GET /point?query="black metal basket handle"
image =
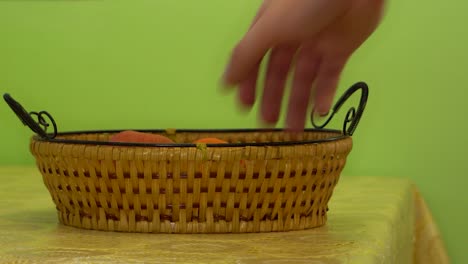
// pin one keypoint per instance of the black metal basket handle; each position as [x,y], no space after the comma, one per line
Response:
[40,126]
[353,116]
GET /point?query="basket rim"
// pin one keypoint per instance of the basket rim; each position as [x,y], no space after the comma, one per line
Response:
[341,136]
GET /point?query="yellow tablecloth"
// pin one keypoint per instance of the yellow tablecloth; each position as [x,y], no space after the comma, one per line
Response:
[371,220]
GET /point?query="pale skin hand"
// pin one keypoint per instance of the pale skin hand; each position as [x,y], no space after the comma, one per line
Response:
[313,40]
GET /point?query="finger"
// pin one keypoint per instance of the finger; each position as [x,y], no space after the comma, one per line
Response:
[326,83]
[247,88]
[299,101]
[275,81]
[249,52]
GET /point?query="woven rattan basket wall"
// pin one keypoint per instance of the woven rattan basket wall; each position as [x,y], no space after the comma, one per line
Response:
[262,181]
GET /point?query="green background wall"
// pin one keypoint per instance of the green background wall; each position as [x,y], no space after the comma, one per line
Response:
[156,64]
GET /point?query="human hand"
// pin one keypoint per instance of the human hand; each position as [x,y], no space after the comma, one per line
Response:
[316,37]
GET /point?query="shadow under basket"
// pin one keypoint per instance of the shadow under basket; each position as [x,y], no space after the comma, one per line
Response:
[263,180]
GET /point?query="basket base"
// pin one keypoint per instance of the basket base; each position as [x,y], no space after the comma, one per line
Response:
[127,225]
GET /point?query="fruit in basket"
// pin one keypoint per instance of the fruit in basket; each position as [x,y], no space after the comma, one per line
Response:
[131,136]
[211,140]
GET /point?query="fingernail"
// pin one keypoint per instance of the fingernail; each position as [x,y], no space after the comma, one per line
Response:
[323,113]
[267,124]
[263,122]
[224,85]
[323,109]
[225,77]
[267,118]
[244,108]
[320,116]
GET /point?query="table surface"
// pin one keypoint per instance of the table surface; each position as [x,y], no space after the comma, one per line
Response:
[371,220]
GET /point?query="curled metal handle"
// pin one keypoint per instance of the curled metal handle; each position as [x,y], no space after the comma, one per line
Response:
[40,125]
[353,116]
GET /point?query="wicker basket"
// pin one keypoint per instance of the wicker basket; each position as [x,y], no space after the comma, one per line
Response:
[264,181]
